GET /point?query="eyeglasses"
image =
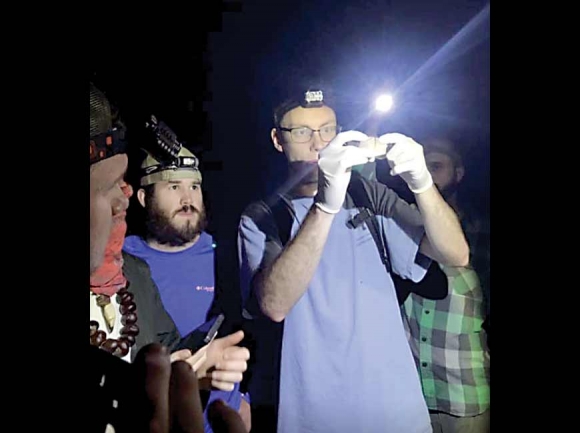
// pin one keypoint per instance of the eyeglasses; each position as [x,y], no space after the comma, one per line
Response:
[304,134]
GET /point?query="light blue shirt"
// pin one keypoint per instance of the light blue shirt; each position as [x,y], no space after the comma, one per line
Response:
[346,363]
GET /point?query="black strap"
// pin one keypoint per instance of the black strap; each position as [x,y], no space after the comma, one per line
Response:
[361,200]
[267,335]
[434,284]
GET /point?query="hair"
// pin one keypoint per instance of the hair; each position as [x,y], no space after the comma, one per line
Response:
[149,191]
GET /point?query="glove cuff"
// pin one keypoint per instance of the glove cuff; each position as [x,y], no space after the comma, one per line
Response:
[423,184]
[325,208]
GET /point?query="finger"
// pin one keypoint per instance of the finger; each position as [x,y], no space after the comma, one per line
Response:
[403,159]
[397,150]
[200,355]
[232,365]
[223,386]
[393,137]
[223,419]
[356,156]
[402,168]
[345,137]
[236,353]
[396,144]
[378,148]
[153,368]
[202,350]
[226,376]
[180,355]
[196,365]
[185,403]
[230,340]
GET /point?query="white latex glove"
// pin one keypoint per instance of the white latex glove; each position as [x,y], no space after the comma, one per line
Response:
[334,163]
[406,158]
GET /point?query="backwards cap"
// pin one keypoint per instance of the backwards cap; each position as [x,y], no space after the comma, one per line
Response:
[308,97]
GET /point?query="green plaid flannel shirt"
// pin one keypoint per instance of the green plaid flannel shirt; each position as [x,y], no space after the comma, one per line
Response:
[447,339]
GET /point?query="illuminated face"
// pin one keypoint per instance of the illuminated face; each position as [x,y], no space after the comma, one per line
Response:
[315,118]
[300,148]
[175,211]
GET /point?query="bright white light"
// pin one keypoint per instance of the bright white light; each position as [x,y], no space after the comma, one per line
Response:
[384,103]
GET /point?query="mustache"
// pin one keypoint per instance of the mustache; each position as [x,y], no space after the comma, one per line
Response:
[187,208]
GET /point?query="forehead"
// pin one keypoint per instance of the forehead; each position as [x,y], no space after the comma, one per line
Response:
[438,157]
[311,117]
[109,170]
[181,182]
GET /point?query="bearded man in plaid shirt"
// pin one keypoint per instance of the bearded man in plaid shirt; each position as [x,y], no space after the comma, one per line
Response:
[447,336]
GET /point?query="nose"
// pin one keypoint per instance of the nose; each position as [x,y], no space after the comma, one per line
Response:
[186,197]
[317,143]
[127,189]
[120,204]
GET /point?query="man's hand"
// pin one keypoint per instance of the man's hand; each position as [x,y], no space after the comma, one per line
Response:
[335,163]
[225,362]
[221,361]
[406,158]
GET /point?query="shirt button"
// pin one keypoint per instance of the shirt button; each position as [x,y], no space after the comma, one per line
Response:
[424,364]
[424,339]
[427,311]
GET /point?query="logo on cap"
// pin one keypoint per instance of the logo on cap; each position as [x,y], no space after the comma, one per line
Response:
[313,96]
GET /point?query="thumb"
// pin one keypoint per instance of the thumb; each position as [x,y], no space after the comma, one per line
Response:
[230,340]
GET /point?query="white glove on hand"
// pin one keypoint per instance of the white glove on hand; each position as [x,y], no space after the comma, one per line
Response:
[334,163]
[406,159]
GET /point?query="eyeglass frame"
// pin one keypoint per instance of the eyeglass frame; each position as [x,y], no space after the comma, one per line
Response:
[338,130]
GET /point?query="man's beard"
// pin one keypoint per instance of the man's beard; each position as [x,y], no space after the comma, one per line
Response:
[162,229]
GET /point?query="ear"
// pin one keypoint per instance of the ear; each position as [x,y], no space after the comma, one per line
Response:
[276,140]
[459,173]
[141,196]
